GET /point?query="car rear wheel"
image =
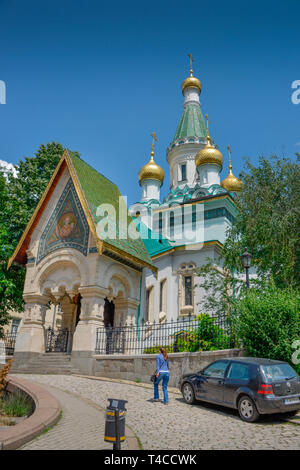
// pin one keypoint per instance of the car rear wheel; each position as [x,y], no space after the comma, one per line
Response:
[247,409]
[188,393]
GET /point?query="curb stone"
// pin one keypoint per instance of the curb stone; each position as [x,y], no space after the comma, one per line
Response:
[46,413]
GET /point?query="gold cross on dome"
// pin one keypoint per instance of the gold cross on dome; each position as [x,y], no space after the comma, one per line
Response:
[191,63]
[207,121]
[153,135]
[229,154]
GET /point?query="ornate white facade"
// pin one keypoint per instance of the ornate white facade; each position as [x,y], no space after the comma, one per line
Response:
[107,282]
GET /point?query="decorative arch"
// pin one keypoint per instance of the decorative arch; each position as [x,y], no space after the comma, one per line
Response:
[118,277]
[63,269]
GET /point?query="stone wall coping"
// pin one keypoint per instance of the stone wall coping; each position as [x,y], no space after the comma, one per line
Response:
[46,414]
[171,355]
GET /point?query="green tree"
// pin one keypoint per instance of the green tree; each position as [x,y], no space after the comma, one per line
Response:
[268,322]
[268,223]
[11,282]
[19,197]
[26,190]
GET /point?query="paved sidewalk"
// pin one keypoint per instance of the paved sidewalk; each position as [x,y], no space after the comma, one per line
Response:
[81,426]
[177,426]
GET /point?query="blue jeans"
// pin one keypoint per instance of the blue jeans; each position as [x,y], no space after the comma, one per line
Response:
[165,380]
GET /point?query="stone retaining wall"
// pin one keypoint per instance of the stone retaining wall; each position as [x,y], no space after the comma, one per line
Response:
[142,367]
[47,412]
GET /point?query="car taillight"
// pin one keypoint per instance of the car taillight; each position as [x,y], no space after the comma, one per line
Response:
[265,389]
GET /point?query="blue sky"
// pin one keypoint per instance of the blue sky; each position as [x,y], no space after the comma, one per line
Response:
[99,77]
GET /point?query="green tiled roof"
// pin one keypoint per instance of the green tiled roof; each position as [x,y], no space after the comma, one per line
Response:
[99,190]
[153,241]
[191,123]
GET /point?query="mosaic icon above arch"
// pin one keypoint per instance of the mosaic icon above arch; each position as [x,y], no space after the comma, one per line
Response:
[67,226]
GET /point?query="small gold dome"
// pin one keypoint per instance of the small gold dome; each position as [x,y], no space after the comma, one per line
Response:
[151,171]
[232,183]
[191,82]
[208,154]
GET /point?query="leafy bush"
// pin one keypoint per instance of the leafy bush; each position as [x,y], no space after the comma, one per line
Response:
[204,335]
[155,349]
[268,322]
[16,404]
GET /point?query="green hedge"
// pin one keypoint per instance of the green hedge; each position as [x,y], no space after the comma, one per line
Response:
[268,322]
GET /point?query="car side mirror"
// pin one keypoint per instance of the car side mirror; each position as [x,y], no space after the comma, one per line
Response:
[200,372]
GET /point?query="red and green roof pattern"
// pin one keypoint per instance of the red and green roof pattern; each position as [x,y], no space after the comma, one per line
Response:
[99,190]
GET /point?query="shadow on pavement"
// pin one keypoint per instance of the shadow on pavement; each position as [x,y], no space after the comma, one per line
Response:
[222,410]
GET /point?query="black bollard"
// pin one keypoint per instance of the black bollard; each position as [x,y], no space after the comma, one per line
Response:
[115,422]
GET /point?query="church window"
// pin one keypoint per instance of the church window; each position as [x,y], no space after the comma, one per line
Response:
[162,295]
[14,326]
[193,217]
[172,224]
[183,172]
[160,222]
[188,290]
[149,304]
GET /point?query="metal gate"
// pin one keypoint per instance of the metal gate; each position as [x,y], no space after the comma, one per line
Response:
[57,340]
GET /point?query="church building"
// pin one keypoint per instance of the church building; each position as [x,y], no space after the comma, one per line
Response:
[95,264]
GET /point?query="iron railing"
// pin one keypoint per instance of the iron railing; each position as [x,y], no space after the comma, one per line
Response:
[57,340]
[7,344]
[189,333]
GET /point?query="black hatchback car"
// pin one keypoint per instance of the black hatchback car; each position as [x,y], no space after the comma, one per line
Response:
[254,386]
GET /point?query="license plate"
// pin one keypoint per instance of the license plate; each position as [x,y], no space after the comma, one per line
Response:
[291,401]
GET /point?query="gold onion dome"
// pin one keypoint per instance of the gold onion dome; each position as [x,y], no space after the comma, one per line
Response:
[208,154]
[231,183]
[151,170]
[191,81]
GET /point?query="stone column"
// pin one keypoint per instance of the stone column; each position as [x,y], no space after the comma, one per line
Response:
[91,318]
[68,308]
[129,307]
[31,337]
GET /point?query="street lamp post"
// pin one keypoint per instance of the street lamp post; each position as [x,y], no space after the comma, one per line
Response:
[246,262]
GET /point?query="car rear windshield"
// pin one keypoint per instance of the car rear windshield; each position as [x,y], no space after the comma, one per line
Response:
[275,372]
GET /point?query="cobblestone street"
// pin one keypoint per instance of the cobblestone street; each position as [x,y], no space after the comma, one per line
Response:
[177,426]
[80,427]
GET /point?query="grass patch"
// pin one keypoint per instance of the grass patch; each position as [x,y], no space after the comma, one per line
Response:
[50,427]
[16,404]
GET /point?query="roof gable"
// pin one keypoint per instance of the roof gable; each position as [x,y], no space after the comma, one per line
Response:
[92,189]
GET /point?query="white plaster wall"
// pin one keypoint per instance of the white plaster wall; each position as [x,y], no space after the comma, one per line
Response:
[150,190]
[183,154]
[168,266]
[209,174]
[191,94]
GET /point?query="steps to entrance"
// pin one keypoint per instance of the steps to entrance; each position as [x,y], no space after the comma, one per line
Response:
[48,363]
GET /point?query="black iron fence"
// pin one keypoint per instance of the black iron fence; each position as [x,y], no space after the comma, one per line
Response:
[7,344]
[57,340]
[191,333]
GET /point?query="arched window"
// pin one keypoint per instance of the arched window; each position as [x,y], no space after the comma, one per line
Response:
[172,224]
[163,296]
[186,291]
[150,304]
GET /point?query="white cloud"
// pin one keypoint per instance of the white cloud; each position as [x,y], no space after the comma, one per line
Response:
[6,168]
